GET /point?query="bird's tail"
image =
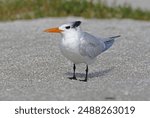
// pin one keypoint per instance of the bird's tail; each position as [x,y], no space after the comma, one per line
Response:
[109,41]
[113,37]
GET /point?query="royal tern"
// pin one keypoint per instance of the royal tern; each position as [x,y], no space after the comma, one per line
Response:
[79,46]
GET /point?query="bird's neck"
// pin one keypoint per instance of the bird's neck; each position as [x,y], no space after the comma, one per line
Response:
[72,36]
[71,40]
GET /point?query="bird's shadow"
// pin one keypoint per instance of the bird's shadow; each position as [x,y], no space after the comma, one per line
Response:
[92,74]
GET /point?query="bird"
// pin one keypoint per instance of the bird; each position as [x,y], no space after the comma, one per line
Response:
[79,46]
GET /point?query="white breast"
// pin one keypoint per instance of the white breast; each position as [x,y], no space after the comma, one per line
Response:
[70,49]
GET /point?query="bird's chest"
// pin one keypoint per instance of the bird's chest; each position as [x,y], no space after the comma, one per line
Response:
[71,45]
[70,50]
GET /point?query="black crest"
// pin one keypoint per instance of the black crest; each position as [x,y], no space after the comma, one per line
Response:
[76,24]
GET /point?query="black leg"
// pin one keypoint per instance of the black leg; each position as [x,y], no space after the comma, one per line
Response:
[74,73]
[86,76]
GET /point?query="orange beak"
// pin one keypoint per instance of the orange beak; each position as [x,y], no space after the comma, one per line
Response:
[53,30]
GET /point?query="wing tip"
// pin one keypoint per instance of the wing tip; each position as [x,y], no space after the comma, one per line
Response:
[113,37]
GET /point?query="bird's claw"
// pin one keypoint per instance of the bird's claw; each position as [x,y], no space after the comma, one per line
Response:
[85,80]
[72,78]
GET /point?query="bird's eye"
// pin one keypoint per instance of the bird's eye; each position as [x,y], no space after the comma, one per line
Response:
[68,27]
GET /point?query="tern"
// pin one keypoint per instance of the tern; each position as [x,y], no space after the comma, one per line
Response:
[79,46]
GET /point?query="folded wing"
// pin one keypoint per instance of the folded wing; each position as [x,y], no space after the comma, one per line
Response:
[90,46]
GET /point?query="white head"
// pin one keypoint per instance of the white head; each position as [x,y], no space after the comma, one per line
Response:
[65,29]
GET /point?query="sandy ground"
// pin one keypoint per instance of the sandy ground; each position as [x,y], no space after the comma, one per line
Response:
[32,67]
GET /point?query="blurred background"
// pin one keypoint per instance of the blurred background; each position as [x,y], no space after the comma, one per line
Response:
[31,9]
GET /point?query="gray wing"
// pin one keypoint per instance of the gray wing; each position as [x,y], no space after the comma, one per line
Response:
[90,46]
